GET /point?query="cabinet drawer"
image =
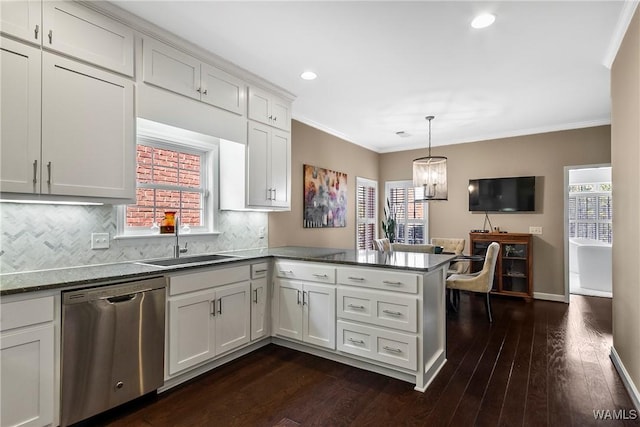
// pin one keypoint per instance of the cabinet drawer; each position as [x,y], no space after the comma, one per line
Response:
[189,282]
[309,272]
[379,279]
[378,308]
[389,347]
[259,271]
[27,312]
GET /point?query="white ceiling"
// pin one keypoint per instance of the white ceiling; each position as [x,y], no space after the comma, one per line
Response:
[384,65]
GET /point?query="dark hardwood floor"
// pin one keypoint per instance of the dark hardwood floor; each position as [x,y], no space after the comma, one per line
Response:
[539,364]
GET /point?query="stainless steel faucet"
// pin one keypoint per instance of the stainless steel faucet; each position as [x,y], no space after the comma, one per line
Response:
[177,250]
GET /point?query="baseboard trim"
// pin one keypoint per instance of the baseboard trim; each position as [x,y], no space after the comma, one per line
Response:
[626,378]
[548,297]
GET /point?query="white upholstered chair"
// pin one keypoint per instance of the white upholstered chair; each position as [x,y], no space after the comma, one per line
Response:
[481,281]
[454,246]
[401,247]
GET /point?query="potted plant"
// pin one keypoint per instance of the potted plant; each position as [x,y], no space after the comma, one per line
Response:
[389,223]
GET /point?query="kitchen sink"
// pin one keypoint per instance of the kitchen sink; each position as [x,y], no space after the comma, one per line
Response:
[197,259]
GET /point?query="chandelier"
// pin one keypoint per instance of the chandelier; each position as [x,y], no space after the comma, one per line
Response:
[430,174]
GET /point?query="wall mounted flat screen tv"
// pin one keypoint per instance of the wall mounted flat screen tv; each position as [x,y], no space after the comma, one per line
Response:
[517,194]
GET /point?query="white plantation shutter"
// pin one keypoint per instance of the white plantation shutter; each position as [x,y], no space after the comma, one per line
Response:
[366,212]
[411,215]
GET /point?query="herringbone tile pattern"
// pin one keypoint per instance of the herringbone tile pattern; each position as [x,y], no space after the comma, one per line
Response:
[35,237]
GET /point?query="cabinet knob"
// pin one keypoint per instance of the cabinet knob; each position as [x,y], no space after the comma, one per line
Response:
[36,31]
[198,90]
[204,92]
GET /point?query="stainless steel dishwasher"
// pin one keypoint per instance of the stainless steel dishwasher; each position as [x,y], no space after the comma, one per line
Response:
[112,346]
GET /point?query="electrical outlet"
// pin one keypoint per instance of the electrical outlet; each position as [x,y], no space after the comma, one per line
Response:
[99,240]
[535,230]
[261,232]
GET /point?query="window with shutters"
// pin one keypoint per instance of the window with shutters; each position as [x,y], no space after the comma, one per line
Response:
[590,211]
[367,216]
[411,214]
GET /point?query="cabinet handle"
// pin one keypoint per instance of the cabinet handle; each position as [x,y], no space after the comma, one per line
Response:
[285,272]
[275,119]
[50,36]
[255,296]
[49,173]
[359,279]
[220,306]
[212,304]
[358,307]
[35,172]
[274,194]
[388,282]
[270,117]
[395,350]
[355,341]
[198,90]
[392,313]
[264,270]
[269,194]
[36,31]
[298,297]
[320,276]
[304,302]
[204,92]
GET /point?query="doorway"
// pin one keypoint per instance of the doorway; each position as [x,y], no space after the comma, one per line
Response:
[588,230]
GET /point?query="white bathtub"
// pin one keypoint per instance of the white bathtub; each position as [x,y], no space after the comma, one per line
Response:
[591,259]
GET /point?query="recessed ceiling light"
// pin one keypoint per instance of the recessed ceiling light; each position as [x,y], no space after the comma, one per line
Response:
[308,75]
[483,20]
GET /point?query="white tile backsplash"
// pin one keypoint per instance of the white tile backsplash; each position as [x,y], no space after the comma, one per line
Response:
[36,237]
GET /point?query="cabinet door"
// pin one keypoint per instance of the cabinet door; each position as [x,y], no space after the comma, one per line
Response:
[288,309]
[280,114]
[319,327]
[22,19]
[280,162]
[88,141]
[259,105]
[223,90]
[87,35]
[258,309]
[191,330]
[233,316]
[19,117]
[170,69]
[258,179]
[27,370]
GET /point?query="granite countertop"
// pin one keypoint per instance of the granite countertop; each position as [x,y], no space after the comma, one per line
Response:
[75,277]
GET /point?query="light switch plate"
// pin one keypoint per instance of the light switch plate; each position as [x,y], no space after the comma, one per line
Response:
[99,240]
[535,230]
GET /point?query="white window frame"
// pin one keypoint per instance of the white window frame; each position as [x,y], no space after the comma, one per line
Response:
[169,137]
[388,185]
[367,183]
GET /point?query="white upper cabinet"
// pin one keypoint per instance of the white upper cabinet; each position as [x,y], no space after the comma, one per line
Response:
[269,109]
[174,70]
[22,19]
[268,167]
[20,90]
[88,144]
[82,33]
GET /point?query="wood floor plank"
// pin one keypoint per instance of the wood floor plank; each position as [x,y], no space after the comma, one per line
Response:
[540,364]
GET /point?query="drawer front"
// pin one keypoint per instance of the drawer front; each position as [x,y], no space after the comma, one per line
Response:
[379,279]
[394,348]
[378,308]
[189,282]
[26,312]
[258,271]
[309,272]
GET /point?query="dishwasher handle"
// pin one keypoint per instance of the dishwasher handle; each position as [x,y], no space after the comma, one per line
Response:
[121,298]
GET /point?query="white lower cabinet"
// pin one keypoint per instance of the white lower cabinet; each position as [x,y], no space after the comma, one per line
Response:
[305,312]
[209,322]
[27,361]
[259,301]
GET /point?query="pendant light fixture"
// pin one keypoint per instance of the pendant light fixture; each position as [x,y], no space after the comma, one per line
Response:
[430,174]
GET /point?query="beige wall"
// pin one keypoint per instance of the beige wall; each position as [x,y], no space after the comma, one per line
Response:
[541,155]
[314,147]
[625,159]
